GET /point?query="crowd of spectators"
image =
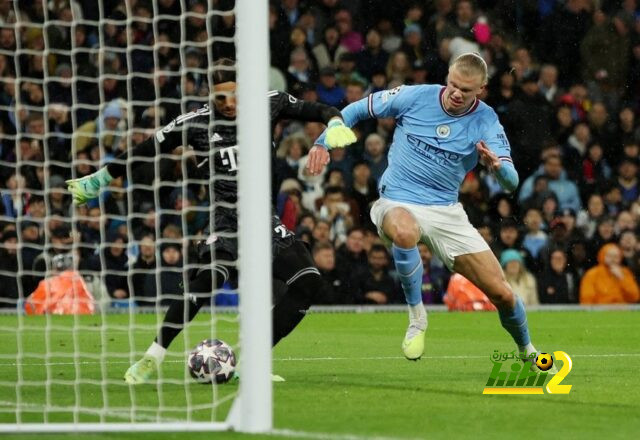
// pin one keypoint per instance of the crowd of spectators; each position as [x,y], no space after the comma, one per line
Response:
[81,83]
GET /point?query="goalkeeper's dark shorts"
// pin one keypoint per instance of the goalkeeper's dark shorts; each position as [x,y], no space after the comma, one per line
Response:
[290,256]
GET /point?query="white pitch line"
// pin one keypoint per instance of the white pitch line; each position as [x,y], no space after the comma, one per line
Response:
[309,359]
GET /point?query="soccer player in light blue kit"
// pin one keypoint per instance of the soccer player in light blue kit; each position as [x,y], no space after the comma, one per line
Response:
[441,134]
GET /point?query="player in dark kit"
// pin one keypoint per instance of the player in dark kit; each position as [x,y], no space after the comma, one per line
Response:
[214,140]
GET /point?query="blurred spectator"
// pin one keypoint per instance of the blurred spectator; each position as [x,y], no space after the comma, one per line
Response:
[609,282]
[548,83]
[534,238]
[55,257]
[364,192]
[333,289]
[351,254]
[144,268]
[398,67]
[103,131]
[375,285]
[328,90]
[462,24]
[8,268]
[564,189]
[114,265]
[628,243]
[605,233]
[322,231]
[587,219]
[375,154]
[347,72]
[527,121]
[595,168]
[434,278]
[171,276]
[602,128]
[558,284]
[349,38]
[560,36]
[518,277]
[373,58]
[300,73]
[329,50]
[337,212]
[628,180]
[508,237]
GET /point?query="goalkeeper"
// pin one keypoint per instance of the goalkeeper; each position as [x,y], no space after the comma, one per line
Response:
[291,261]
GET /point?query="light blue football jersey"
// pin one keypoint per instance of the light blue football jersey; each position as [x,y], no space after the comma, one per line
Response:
[432,150]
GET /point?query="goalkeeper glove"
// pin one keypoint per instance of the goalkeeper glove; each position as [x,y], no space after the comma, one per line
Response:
[338,134]
[88,187]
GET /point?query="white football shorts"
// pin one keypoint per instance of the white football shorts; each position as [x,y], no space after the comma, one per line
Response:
[446,230]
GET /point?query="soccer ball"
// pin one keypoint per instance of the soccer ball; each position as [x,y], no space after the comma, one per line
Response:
[212,360]
[544,361]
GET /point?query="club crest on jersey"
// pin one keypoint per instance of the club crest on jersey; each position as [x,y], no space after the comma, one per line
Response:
[443,131]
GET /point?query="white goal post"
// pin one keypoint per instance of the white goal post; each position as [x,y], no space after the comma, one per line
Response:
[251,410]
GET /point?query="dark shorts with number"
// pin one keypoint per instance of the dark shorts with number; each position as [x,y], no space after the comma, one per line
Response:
[290,256]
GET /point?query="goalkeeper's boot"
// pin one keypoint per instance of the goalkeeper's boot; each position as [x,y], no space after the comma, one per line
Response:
[413,344]
[142,371]
[88,187]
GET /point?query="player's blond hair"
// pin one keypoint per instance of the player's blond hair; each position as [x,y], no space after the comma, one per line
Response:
[471,64]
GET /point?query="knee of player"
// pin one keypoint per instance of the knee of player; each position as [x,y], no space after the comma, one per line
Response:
[405,236]
[501,294]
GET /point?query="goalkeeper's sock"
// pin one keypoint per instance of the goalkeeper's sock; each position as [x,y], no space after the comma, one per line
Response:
[514,320]
[156,351]
[409,266]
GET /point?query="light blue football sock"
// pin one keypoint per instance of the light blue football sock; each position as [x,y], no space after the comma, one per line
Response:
[514,320]
[409,267]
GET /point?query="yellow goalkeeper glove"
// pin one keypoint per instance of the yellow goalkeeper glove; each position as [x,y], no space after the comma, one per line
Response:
[88,187]
[338,134]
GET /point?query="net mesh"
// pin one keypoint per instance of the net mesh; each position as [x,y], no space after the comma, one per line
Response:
[81,83]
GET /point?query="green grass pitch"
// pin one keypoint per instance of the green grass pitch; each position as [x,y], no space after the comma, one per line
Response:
[346,379]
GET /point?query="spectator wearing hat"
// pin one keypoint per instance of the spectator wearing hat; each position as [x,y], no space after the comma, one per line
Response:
[558,284]
[8,269]
[104,128]
[609,282]
[413,44]
[328,90]
[518,277]
[565,190]
[372,58]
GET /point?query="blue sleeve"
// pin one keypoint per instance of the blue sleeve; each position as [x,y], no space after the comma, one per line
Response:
[496,139]
[383,104]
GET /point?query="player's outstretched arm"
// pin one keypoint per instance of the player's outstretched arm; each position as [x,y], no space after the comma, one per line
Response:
[88,187]
[502,168]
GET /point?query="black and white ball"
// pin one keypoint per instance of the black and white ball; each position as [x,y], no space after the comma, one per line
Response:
[212,360]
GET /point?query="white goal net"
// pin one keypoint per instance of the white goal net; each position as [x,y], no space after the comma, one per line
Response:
[84,289]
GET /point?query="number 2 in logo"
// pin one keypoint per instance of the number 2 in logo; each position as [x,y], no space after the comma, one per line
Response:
[554,387]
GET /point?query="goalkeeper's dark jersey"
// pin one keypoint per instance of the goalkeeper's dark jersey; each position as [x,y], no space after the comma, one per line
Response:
[214,140]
